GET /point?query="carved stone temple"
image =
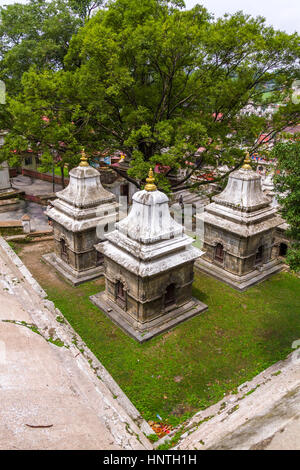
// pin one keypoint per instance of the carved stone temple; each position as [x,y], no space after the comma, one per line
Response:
[239,232]
[148,269]
[81,215]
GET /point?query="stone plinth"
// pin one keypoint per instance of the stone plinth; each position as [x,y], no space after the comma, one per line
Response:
[239,233]
[152,328]
[81,215]
[148,270]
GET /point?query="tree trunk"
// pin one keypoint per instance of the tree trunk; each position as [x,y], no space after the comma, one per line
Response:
[62,171]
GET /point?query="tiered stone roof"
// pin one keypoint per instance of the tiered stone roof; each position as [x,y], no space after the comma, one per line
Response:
[84,203]
[149,240]
[243,207]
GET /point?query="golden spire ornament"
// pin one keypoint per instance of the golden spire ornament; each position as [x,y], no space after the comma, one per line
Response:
[84,159]
[150,180]
[247,162]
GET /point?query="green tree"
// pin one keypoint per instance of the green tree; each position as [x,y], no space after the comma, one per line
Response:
[41,126]
[157,82]
[287,185]
[36,33]
[84,8]
[33,35]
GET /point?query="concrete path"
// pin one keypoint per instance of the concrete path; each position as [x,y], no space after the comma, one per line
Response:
[50,396]
[34,186]
[264,414]
[39,221]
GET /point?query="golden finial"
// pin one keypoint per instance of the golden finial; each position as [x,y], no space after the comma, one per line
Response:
[150,180]
[247,162]
[84,159]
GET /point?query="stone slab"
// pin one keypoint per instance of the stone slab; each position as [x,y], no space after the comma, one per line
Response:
[240,283]
[152,328]
[9,204]
[65,388]
[264,414]
[10,193]
[10,223]
[69,274]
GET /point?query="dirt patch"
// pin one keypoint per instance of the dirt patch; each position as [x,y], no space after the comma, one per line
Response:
[31,255]
[182,408]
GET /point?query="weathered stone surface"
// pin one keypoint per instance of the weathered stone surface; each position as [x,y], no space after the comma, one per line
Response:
[264,414]
[71,275]
[153,327]
[42,384]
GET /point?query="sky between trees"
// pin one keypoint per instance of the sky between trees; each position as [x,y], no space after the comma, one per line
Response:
[282,15]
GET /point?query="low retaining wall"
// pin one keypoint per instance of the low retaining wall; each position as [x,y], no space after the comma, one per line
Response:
[41,199]
[11,227]
[44,176]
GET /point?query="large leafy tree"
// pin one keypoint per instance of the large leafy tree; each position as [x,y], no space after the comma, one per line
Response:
[34,36]
[85,8]
[36,33]
[287,186]
[157,82]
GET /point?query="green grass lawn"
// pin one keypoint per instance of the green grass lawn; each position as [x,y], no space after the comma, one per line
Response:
[194,365]
[57,171]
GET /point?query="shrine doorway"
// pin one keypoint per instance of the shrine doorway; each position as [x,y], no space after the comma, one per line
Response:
[63,250]
[283,249]
[219,253]
[120,294]
[259,254]
[170,296]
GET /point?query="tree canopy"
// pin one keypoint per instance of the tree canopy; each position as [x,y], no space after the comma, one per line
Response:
[157,82]
[287,186]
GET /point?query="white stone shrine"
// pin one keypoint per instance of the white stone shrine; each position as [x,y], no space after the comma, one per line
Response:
[82,213]
[240,232]
[148,269]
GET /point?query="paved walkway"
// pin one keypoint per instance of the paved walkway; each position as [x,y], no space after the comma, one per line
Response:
[264,414]
[50,396]
[36,212]
[34,186]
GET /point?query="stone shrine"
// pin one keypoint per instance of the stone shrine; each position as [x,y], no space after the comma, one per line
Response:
[239,232]
[148,269]
[81,215]
[9,197]
[268,188]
